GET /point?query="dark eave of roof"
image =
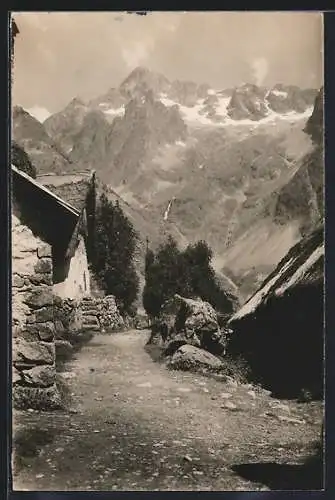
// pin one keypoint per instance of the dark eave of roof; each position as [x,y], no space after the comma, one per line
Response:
[67,206]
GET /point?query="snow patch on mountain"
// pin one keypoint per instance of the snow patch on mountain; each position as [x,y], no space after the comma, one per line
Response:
[40,113]
[197,116]
[280,93]
[115,112]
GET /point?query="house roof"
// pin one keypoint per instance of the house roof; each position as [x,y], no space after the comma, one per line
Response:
[58,200]
[72,188]
[303,265]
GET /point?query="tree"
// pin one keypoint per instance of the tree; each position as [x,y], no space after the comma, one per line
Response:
[162,276]
[114,248]
[21,160]
[188,273]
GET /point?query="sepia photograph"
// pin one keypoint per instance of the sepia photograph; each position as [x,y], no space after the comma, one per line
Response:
[167,254]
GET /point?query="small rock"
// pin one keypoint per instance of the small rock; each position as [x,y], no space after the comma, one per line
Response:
[39,476]
[184,389]
[187,458]
[290,420]
[59,450]
[225,395]
[229,406]
[280,406]
[252,394]
[68,375]
[144,384]
[269,414]
[232,382]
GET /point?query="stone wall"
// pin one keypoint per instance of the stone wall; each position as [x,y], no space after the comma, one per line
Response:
[90,314]
[33,349]
[101,314]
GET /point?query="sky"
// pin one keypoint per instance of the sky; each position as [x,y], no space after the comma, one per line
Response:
[61,55]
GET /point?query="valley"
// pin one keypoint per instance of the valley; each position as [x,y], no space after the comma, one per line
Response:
[239,168]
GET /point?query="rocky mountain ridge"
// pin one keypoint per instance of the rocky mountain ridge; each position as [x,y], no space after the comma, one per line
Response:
[44,151]
[239,168]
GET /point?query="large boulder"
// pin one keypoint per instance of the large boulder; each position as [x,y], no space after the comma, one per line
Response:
[188,357]
[188,321]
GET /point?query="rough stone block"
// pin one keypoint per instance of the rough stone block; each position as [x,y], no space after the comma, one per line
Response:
[44,331]
[44,250]
[16,330]
[41,279]
[17,281]
[91,328]
[31,319]
[39,297]
[20,311]
[36,398]
[33,352]
[42,376]
[16,376]
[90,319]
[44,314]
[43,266]
[28,335]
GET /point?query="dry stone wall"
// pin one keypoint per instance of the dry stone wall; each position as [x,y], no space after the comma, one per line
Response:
[89,314]
[33,330]
[101,314]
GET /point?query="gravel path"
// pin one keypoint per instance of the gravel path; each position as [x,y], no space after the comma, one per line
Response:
[137,426]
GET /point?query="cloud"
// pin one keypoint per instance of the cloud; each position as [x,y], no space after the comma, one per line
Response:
[85,53]
[260,69]
[136,55]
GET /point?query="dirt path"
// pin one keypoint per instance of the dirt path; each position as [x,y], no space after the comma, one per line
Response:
[138,426]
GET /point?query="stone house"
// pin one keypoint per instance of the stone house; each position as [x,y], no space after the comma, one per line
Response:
[71,275]
[50,238]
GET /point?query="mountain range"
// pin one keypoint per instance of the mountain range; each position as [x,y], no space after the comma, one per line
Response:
[241,168]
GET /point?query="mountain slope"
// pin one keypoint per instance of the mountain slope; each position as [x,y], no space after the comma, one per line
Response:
[238,167]
[43,151]
[119,150]
[290,211]
[63,126]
